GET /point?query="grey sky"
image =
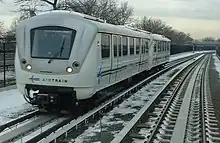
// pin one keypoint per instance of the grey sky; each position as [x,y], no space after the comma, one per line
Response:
[198,17]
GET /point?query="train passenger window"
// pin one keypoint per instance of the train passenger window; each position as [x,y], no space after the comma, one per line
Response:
[115,46]
[169,46]
[105,44]
[119,48]
[146,45]
[131,46]
[138,43]
[143,46]
[160,46]
[166,46]
[155,46]
[125,46]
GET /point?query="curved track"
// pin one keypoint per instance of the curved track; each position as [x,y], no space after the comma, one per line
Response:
[180,113]
[37,124]
[92,116]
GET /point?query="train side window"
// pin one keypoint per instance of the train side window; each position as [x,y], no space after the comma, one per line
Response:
[125,46]
[169,46]
[138,42]
[143,46]
[157,46]
[119,48]
[105,45]
[131,46]
[115,46]
[146,45]
[160,46]
[166,46]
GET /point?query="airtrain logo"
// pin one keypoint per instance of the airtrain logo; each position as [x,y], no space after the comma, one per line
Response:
[34,79]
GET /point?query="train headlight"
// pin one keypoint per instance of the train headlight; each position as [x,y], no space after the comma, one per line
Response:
[69,69]
[29,67]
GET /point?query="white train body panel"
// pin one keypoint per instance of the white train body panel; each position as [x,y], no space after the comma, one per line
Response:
[93,47]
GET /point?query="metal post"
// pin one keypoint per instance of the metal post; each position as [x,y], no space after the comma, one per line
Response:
[4,64]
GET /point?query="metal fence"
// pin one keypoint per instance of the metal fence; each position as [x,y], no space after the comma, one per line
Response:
[7,70]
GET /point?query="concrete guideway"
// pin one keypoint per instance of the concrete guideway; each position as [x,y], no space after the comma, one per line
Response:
[167,120]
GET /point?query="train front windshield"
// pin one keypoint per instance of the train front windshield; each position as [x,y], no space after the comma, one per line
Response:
[52,42]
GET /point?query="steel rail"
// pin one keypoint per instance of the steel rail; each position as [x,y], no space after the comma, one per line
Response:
[125,132]
[47,132]
[97,111]
[18,120]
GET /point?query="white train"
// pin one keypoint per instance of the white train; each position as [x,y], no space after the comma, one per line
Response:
[67,56]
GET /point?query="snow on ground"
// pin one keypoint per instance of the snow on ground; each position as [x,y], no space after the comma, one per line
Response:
[181,55]
[185,54]
[217,63]
[115,120]
[9,74]
[12,105]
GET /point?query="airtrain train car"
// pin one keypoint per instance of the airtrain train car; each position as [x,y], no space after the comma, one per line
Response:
[63,57]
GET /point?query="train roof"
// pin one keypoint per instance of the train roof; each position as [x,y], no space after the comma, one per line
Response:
[160,37]
[97,23]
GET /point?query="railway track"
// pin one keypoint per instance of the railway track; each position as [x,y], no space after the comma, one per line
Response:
[31,128]
[81,124]
[23,131]
[202,123]
[182,112]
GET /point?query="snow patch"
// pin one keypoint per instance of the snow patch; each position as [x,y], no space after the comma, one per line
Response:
[8,74]
[12,105]
[217,63]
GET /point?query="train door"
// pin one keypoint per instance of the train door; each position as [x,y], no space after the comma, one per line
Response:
[106,59]
[155,53]
[150,53]
[119,58]
[138,52]
[143,55]
[146,45]
[114,57]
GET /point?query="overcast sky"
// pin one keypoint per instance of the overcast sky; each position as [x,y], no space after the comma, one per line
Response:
[200,18]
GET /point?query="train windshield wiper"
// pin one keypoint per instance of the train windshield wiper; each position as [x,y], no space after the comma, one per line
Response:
[59,53]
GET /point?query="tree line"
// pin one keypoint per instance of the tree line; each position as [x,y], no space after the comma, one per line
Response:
[110,10]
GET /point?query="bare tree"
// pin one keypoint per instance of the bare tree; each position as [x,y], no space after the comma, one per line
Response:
[53,3]
[1,28]
[208,39]
[157,26]
[108,10]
